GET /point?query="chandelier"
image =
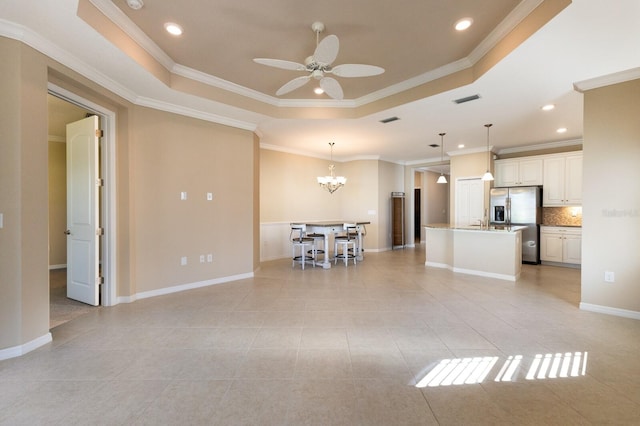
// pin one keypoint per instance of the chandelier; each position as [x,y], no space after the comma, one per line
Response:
[332,182]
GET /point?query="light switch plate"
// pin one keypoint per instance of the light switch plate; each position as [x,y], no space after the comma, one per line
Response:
[209,196]
[183,195]
[1,220]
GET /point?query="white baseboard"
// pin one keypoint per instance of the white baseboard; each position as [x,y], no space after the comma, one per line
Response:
[438,265]
[182,287]
[52,267]
[473,272]
[610,311]
[26,348]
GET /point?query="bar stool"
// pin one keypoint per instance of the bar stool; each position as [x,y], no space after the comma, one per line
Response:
[300,245]
[347,243]
[318,243]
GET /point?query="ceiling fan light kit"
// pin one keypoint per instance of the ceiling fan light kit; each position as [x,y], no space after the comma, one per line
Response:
[319,64]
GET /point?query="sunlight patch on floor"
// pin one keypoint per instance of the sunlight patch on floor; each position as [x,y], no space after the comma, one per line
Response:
[474,370]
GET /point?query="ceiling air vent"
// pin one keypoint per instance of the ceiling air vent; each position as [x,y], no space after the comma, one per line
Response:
[467,99]
[389,120]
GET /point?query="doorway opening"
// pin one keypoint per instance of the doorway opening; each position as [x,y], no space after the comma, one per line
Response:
[65,107]
[417,214]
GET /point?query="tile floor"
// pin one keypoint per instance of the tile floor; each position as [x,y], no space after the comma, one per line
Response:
[62,309]
[345,346]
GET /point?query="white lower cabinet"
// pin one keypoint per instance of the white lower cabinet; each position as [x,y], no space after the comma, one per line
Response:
[561,244]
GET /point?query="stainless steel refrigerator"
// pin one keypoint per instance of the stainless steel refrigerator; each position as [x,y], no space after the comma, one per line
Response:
[520,206]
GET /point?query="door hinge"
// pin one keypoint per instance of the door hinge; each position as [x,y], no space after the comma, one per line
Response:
[99,280]
[99,182]
[99,133]
[100,231]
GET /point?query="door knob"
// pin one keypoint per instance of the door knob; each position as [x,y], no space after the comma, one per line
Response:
[67,232]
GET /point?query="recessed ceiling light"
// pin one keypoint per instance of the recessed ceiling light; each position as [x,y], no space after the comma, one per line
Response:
[548,107]
[463,24]
[562,130]
[318,91]
[173,29]
[461,146]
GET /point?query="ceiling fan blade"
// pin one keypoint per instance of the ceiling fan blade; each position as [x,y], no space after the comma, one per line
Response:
[327,50]
[356,70]
[331,87]
[279,63]
[293,85]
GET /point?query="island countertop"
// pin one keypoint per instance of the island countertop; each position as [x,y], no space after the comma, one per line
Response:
[491,228]
[494,253]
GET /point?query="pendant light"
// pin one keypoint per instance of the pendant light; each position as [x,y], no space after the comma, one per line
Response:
[442,179]
[488,176]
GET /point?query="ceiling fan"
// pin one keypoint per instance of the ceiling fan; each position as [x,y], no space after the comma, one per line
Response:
[319,64]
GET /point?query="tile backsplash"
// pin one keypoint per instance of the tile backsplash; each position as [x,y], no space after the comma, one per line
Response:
[562,216]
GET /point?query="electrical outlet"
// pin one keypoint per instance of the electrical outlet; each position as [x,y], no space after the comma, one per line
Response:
[183,195]
[209,196]
[202,258]
[209,257]
[609,277]
[183,260]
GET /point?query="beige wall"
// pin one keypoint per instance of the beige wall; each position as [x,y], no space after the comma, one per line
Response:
[435,199]
[57,204]
[157,156]
[611,196]
[10,198]
[289,192]
[173,154]
[24,285]
[466,166]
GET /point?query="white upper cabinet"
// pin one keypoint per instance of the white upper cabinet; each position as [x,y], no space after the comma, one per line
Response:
[525,171]
[562,180]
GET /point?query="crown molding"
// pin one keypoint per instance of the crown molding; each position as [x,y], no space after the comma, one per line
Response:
[607,80]
[214,81]
[413,82]
[538,147]
[294,151]
[193,113]
[119,18]
[508,24]
[428,162]
[468,151]
[44,46]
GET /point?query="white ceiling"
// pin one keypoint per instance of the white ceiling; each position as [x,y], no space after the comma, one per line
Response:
[588,39]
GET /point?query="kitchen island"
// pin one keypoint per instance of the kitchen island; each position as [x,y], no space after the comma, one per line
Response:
[494,252]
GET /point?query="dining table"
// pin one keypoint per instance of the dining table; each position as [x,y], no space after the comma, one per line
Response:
[332,228]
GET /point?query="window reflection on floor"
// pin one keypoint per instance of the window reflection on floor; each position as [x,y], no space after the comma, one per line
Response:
[472,370]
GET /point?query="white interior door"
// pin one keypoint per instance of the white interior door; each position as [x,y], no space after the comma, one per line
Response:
[469,201]
[82,211]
